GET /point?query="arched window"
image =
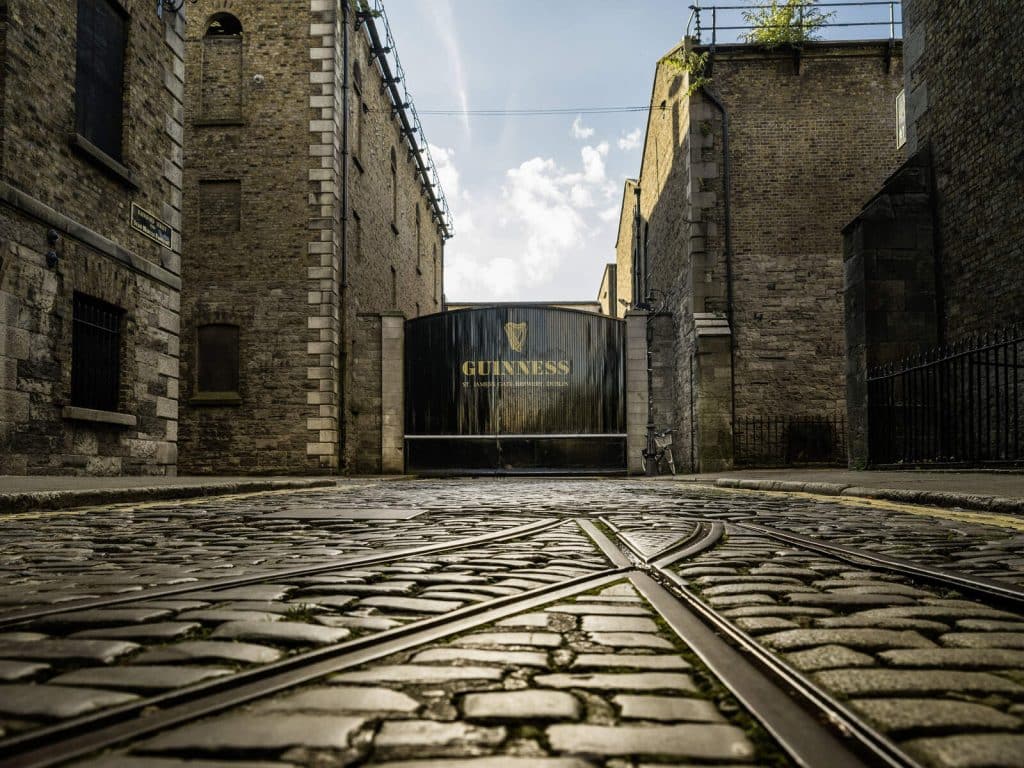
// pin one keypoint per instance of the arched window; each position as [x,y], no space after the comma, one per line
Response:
[394,190]
[222,69]
[217,359]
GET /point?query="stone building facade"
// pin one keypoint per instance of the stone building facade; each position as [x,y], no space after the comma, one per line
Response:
[90,220]
[305,222]
[934,259]
[745,185]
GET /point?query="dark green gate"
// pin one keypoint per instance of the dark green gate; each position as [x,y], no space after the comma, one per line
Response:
[515,388]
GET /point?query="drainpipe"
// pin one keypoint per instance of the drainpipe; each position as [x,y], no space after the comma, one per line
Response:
[726,183]
[343,287]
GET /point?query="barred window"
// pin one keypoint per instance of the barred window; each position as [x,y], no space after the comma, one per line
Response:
[99,74]
[217,358]
[95,353]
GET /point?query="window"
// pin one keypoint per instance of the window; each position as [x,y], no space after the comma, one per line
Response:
[357,236]
[394,287]
[220,206]
[357,125]
[95,353]
[99,74]
[217,358]
[419,244]
[222,69]
[394,190]
[437,276]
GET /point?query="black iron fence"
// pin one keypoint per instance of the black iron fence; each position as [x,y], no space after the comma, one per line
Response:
[769,441]
[959,404]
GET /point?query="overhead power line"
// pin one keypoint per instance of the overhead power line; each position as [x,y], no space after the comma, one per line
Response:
[539,111]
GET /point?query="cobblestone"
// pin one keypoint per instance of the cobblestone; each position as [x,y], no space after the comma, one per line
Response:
[589,680]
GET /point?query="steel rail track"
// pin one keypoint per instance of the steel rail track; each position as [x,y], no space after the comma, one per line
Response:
[30,614]
[990,591]
[82,736]
[804,719]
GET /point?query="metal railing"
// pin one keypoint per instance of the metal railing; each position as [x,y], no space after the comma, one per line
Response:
[372,14]
[726,23]
[959,404]
[787,440]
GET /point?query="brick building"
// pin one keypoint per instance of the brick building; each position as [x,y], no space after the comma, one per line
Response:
[735,245]
[934,259]
[311,210]
[90,197]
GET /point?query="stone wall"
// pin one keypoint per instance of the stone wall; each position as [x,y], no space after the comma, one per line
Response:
[50,182]
[364,401]
[810,138]
[299,270]
[890,290]
[965,105]
[624,245]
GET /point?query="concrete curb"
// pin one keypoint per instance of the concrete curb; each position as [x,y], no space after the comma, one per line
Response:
[928,498]
[49,500]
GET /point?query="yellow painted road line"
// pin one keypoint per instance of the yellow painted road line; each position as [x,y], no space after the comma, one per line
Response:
[995,519]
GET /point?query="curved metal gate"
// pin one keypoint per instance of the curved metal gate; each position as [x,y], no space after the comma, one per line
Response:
[515,388]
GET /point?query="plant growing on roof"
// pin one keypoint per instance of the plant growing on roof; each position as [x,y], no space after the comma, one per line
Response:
[785,22]
[693,64]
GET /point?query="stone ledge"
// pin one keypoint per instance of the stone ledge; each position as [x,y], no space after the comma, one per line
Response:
[97,156]
[98,417]
[22,501]
[49,216]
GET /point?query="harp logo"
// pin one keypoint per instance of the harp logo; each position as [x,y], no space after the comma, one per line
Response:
[516,333]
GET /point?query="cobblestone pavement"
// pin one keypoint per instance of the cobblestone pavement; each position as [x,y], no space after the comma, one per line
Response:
[494,623]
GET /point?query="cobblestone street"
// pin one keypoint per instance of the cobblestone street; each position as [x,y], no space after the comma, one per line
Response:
[531,623]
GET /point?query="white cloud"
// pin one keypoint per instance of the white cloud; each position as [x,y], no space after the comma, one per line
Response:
[544,222]
[444,23]
[447,173]
[579,131]
[609,214]
[631,140]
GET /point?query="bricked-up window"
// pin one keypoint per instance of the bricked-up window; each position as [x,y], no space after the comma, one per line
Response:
[222,69]
[217,358]
[394,188]
[99,74]
[437,275]
[357,125]
[419,240]
[95,353]
[220,206]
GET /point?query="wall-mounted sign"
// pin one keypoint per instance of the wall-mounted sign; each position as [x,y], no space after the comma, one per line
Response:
[148,224]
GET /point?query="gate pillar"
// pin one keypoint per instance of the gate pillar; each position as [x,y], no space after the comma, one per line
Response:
[392,394]
[636,389]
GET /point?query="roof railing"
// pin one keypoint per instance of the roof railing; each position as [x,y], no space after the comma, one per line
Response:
[371,13]
[706,20]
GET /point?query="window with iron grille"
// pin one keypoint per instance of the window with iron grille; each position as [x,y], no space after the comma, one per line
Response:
[96,354]
[217,358]
[99,74]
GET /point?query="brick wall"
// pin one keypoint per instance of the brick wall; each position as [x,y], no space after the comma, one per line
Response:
[810,140]
[46,184]
[965,104]
[624,249]
[280,277]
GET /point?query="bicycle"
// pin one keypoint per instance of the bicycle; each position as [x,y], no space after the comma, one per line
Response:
[662,453]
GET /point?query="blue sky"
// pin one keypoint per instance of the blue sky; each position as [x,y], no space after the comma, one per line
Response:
[536,198]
